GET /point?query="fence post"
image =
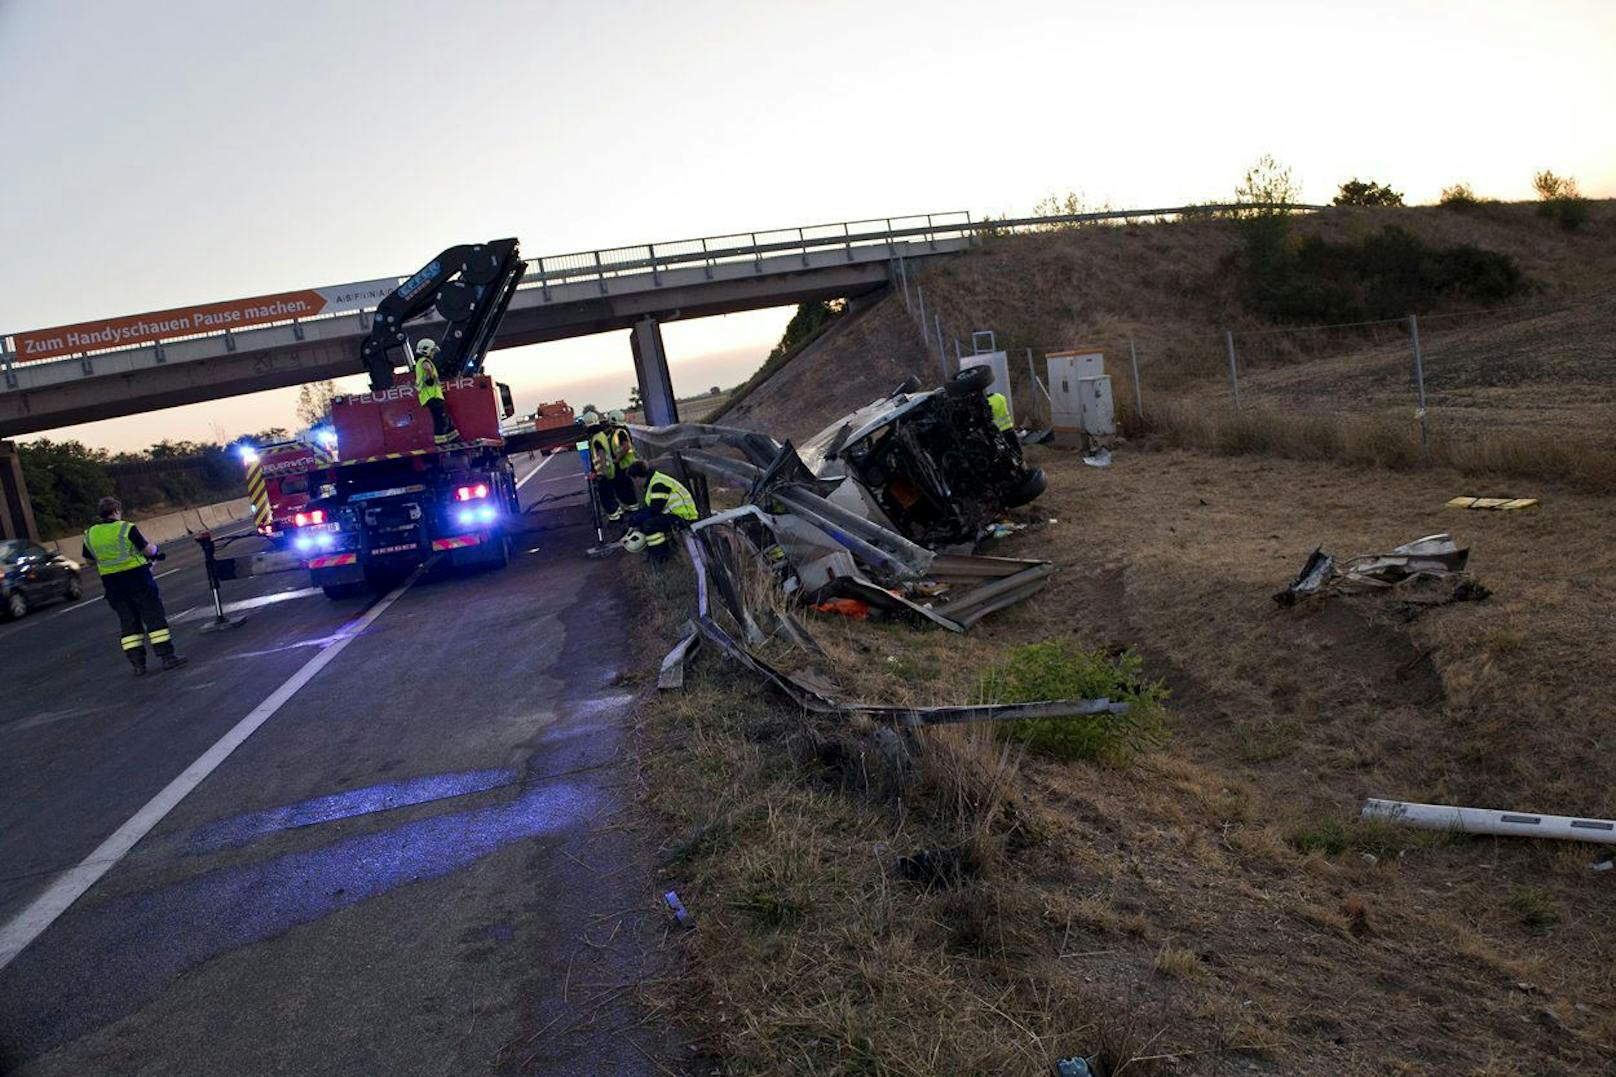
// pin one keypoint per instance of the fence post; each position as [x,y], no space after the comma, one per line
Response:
[1419,385]
[1234,371]
[1138,397]
[903,274]
[920,301]
[942,350]
[1032,373]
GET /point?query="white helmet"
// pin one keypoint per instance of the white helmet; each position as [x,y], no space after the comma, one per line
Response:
[634,542]
[426,349]
[616,416]
[591,418]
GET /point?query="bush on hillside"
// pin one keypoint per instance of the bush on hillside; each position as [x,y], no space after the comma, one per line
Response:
[1357,192]
[1458,196]
[1561,200]
[1382,275]
[1059,669]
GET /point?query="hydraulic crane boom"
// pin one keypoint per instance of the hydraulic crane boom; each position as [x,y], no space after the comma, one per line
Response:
[469,286]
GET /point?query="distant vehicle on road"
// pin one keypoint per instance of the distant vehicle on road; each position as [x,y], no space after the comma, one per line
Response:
[278,484]
[555,415]
[34,576]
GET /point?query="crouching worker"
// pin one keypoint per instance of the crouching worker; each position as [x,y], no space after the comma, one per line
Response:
[121,554]
[669,505]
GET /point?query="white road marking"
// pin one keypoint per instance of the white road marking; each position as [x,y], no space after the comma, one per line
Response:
[523,480]
[68,887]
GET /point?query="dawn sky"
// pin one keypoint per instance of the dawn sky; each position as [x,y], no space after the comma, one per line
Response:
[165,153]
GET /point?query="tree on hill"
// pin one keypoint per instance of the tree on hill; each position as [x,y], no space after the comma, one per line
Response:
[1561,200]
[807,323]
[634,401]
[1357,192]
[1268,181]
[1458,196]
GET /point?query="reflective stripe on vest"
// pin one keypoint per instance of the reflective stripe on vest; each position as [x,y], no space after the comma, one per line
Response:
[600,454]
[110,546]
[426,371]
[1001,411]
[679,502]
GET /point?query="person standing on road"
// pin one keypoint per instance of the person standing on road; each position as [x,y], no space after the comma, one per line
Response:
[668,506]
[429,391]
[624,460]
[121,554]
[603,462]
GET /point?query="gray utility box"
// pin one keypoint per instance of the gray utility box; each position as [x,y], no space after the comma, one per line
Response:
[1077,408]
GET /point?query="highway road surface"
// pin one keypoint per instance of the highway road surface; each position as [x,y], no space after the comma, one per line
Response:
[422,855]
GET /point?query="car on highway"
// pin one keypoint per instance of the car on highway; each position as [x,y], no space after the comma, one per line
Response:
[31,575]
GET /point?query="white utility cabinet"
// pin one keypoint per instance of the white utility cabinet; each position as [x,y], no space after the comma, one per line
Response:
[1066,371]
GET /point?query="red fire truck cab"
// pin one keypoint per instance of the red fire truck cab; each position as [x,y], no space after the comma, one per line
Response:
[278,485]
[392,498]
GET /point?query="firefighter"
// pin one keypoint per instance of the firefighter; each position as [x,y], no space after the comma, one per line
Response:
[429,391]
[121,553]
[624,460]
[603,463]
[1003,419]
[668,506]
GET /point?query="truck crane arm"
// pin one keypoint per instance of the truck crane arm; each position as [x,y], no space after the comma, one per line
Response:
[469,286]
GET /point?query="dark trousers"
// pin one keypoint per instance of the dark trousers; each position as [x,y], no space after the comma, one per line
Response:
[440,418]
[133,596]
[606,489]
[623,489]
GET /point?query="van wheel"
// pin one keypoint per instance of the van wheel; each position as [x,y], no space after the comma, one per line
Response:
[16,605]
[973,379]
[75,588]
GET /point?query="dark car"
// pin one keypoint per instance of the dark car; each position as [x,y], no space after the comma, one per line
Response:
[34,576]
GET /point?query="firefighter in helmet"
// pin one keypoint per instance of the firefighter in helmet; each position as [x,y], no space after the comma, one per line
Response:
[603,463]
[123,557]
[429,391]
[669,505]
[624,460]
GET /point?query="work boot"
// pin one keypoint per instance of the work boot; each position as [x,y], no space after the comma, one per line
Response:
[446,439]
[137,659]
[615,515]
[174,661]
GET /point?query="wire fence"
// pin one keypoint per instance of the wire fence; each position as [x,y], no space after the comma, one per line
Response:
[1400,390]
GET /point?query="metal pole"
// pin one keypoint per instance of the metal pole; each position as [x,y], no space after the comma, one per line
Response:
[1032,373]
[1234,371]
[5,354]
[942,353]
[1419,385]
[1138,399]
[920,301]
[903,274]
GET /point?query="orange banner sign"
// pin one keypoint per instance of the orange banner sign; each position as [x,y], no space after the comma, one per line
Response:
[187,321]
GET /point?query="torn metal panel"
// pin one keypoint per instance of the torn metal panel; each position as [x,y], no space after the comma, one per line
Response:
[1431,557]
[672,673]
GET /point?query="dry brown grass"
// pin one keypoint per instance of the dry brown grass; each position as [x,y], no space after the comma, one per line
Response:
[1165,912]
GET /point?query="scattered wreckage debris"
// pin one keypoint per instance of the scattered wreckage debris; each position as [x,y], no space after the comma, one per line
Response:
[1490,821]
[1432,558]
[874,518]
[1496,504]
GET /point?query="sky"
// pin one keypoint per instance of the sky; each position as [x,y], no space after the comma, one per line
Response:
[166,153]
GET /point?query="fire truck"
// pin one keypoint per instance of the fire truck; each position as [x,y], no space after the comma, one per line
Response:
[393,498]
[278,484]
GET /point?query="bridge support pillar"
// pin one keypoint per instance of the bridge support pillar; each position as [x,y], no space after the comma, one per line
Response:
[651,367]
[16,514]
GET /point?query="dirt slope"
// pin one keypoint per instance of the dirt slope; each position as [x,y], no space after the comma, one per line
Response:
[853,363]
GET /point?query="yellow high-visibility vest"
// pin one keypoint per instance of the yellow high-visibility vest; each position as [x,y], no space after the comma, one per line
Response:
[600,454]
[1001,411]
[623,454]
[113,550]
[675,499]
[427,385]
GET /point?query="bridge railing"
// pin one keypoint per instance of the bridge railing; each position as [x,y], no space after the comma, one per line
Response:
[652,259]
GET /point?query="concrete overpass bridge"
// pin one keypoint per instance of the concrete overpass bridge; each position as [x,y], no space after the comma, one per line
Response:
[635,288]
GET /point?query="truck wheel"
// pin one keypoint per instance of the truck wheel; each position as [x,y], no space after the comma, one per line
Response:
[973,379]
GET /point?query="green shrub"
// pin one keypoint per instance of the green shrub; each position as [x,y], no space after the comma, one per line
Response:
[1386,274]
[1357,192]
[1059,669]
[1561,201]
[1535,906]
[1459,196]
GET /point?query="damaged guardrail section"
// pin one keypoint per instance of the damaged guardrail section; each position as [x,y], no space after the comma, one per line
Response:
[803,538]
